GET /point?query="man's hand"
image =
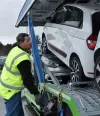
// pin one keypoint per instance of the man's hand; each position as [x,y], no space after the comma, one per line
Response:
[38,99]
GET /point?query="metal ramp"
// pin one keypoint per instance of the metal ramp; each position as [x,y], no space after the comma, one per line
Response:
[86,97]
[83,94]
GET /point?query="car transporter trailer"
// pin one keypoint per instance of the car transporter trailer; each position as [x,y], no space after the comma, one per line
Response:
[60,97]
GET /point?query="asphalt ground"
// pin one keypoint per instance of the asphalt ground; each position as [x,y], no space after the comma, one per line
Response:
[2,107]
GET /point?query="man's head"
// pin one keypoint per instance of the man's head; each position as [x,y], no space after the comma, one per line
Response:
[23,40]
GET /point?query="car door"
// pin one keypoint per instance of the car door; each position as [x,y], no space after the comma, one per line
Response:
[68,29]
[53,35]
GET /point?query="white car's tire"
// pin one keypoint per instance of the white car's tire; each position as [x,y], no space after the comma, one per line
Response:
[97,73]
[76,74]
[44,46]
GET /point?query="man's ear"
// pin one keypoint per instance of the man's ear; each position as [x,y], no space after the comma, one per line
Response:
[20,43]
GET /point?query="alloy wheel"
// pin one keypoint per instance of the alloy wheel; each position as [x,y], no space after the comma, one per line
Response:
[74,74]
[44,46]
[97,74]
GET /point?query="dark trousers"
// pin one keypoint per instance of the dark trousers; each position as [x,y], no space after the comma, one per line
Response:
[14,106]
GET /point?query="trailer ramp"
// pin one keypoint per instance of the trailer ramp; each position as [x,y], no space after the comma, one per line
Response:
[83,94]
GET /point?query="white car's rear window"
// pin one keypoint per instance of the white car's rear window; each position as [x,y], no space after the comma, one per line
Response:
[96,23]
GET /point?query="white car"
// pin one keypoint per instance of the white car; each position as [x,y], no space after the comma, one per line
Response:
[71,35]
[97,63]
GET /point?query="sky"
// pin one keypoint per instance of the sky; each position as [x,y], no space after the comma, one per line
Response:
[9,11]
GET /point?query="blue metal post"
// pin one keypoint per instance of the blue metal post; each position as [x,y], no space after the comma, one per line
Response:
[61,111]
[35,51]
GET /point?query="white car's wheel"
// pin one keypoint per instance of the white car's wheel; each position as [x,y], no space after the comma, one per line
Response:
[76,73]
[97,73]
[44,46]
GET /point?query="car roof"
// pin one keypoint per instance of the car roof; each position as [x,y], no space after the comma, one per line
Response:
[92,7]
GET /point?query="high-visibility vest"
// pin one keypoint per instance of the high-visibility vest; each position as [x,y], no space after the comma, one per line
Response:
[11,80]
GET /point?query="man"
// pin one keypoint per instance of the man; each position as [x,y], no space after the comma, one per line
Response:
[15,75]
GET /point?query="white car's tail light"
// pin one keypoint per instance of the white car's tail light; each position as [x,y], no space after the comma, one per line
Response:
[91,42]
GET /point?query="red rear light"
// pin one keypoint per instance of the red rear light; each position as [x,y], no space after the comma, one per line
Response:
[91,42]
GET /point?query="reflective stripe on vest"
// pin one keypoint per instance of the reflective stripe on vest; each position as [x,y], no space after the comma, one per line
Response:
[14,73]
[11,87]
[9,69]
[21,54]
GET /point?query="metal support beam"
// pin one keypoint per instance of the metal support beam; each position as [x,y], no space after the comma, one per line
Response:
[35,53]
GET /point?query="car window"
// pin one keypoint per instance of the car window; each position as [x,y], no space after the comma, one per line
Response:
[74,17]
[59,17]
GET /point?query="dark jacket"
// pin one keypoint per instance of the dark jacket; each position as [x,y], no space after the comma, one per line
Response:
[25,69]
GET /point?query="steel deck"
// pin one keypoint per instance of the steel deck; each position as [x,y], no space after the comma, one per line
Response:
[84,94]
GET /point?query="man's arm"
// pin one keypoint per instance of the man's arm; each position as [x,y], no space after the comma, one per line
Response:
[28,80]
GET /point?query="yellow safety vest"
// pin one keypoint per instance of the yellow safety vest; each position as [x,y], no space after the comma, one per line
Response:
[11,80]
